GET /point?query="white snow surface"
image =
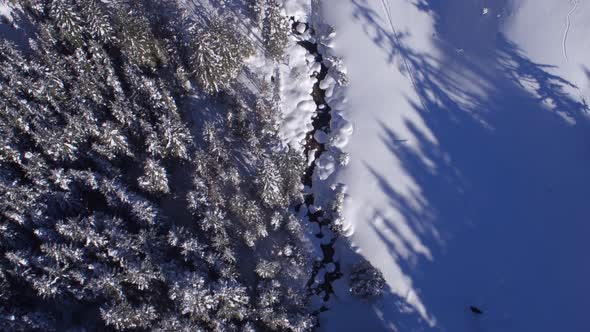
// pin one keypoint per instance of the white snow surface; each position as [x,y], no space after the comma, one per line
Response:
[469,163]
[297,105]
[299,9]
[5,11]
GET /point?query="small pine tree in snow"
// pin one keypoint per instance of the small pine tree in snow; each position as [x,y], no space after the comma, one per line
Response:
[337,204]
[337,69]
[291,165]
[269,184]
[154,179]
[275,29]
[193,296]
[342,158]
[124,316]
[110,142]
[233,301]
[266,269]
[366,281]
[269,118]
[176,138]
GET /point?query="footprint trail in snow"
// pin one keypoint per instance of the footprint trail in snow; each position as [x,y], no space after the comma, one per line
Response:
[567,28]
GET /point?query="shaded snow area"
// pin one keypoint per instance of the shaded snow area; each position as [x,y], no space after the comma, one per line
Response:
[468,174]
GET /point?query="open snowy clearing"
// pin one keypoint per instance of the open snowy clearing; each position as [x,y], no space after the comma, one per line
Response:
[468,174]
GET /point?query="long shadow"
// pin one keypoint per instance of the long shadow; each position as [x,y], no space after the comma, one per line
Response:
[355,315]
[503,187]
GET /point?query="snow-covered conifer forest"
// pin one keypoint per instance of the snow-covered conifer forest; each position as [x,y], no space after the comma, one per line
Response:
[144,182]
[294,165]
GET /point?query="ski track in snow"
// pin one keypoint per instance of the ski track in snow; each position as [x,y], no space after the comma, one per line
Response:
[567,28]
[387,12]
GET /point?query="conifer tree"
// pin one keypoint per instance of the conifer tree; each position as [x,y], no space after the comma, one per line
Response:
[154,179]
[366,281]
[136,40]
[269,184]
[219,53]
[68,21]
[275,29]
[97,21]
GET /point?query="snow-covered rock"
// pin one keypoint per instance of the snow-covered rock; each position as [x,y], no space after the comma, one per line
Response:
[300,27]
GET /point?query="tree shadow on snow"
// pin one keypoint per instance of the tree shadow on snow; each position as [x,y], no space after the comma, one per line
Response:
[502,178]
[17,29]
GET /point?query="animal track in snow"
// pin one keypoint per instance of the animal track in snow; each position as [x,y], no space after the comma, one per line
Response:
[567,27]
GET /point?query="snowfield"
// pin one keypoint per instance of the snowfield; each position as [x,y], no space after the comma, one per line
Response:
[469,163]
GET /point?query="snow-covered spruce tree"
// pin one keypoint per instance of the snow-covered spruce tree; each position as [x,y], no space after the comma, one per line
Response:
[125,316]
[154,179]
[99,24]
[268,117]
[269,184]
[135,38]
[68,21]
[366,281]
[219,51]
[275,29]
